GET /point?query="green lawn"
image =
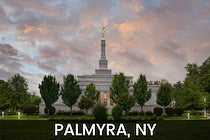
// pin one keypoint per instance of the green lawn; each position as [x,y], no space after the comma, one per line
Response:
[90,117]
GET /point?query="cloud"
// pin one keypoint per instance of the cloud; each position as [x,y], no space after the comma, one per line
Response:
[156,38]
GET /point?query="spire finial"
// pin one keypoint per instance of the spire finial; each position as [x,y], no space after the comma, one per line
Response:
[103,30]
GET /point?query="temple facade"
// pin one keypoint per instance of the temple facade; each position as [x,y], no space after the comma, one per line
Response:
[102,79]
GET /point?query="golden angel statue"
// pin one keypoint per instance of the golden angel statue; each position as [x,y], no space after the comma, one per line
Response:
[103,29]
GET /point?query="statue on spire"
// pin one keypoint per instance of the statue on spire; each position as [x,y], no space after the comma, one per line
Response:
[103,30]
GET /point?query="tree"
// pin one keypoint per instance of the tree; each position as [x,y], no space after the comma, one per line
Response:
[70,91]
[92,93]
[18,94]
[126,101]
[192,69]
[191,97]
[49,90]
[119,85]
[33,99]
[141,91]
[85,103]
[205,75]
[4,95]
[176,92]
[164,95]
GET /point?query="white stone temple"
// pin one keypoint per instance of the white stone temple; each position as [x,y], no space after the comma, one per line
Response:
[102,79]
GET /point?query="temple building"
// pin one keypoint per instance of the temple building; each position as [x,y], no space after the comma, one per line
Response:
[102,79]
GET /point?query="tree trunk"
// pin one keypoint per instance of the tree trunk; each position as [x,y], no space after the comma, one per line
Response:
[48,111]
[141,108]
[86,112]
[164,111]
[71,110]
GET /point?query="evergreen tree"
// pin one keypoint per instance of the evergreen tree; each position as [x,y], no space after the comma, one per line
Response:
[141,92]
[49,90]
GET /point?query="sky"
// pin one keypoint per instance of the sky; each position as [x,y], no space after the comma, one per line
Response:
[153,37]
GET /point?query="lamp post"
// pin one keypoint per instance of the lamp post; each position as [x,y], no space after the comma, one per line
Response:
[204,107]
[2,114]
[18,115]
[174,104]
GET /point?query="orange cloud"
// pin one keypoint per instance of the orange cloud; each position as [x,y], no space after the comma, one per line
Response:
[29,28]
[127,29]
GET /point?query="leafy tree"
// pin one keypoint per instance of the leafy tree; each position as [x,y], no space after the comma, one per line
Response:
[119,85]
[49,90]
[192,69]
[18,94]
[164,95]
[4,95]
[191,97]
[92,93]
[85,103]
[176,92]
[141,91]
[70,91]
[126,101]
[205,75]
[34,99]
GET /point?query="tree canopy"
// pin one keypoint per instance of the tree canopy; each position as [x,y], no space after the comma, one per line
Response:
[18,94]
[92,93]
[119,85]
[141,92]
[70,91]
[164,95]
[85,103]
[126,101]
[49,90]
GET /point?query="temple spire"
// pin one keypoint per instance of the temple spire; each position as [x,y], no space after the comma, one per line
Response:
[103,61]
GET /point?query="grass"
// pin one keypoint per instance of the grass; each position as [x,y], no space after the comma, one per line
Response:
[91,117]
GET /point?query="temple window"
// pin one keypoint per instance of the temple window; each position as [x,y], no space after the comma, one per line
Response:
[105,99]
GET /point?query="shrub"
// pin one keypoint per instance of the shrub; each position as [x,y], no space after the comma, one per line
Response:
[100,112]
[29,110]
[169,111]
[179,111]
[197,112]
[62,112]
[158,111]
[117,112]
[142,113]
[133,113]
[12,113]
[77,113]
[51,112]
[149,113]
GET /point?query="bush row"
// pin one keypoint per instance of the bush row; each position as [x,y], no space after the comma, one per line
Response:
[60,112]
[158,111]
[142,113]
